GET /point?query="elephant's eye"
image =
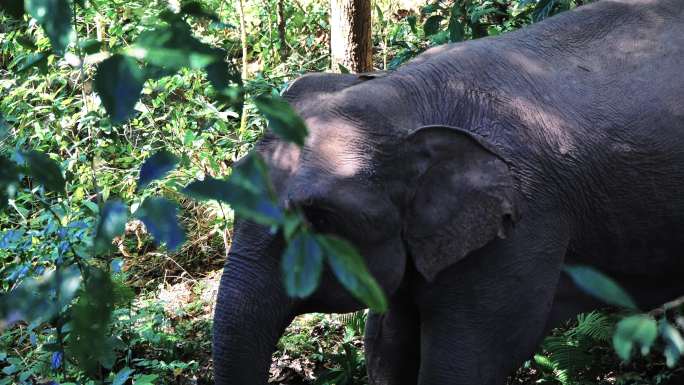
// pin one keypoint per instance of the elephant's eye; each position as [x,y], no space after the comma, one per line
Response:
[320,219]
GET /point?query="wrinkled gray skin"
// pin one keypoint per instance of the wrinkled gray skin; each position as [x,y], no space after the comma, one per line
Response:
[466,179]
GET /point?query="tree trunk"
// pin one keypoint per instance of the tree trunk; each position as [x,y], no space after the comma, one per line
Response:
[284,49]
[350,35]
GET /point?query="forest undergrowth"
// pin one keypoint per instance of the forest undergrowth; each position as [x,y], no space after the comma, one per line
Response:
[161,324]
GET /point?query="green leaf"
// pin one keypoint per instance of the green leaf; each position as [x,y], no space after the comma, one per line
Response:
[14,8]
[544,362]
[90,46]
[343,69]
[155,167]
[112,223]
[600,286]
[160,218]
[34,59]
[92,206]
[222,75]
[412,23]
[674,343]
[27,42]
[634,330]
[44,171]
[456,32]
[282,119]
[430,8]
[4,128]
[174,47]
[89,340]
[119,81]
[145,379]
[39,299]
[251,173]
[55,18]
[122,376]
[350,269]
[194,8]
[291,224]
[247,190]
[543,9]
[302,264]
[9,179]
[380,17]
[431,25]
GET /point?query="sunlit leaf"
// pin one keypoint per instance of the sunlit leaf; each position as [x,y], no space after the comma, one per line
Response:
[155,167]
[160,218]
[640,330]
[350,269]
[379,14]
[118,82]
[122,376]
[431,25]
[600,286]
[302,264]
[674,343]
[55,18]
[112,223]
[44,171]
[145,379]
[282,119]
[174,47]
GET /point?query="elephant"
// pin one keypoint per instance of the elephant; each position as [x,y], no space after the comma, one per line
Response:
[468,178]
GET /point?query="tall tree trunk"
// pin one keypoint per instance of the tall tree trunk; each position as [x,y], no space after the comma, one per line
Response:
[284,49]
[350,35]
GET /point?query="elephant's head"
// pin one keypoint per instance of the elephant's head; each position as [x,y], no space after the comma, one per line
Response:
[371,172]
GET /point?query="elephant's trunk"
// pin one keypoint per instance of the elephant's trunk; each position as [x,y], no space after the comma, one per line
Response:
[252,310]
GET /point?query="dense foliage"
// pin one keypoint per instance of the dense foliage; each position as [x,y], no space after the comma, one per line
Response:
[120,122]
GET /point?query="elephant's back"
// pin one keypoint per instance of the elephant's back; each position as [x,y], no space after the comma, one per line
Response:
[588,107]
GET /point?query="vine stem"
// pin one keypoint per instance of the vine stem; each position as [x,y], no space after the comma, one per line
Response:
[224,234]
[664,308]
[49,208]
[243,43]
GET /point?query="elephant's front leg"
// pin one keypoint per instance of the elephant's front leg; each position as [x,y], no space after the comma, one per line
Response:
[485,315]
[392,343]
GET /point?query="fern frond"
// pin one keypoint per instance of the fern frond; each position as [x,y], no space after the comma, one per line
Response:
[594,325]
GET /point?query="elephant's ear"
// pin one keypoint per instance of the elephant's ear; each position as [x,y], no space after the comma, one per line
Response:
[464,198]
